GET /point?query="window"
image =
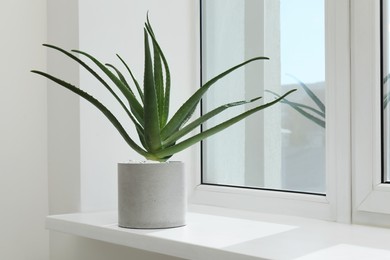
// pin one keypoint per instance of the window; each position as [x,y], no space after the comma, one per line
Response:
[357,128]
[282,148]
[315,190]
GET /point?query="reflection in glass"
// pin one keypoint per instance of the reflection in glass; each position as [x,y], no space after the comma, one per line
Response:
[283,147]
[386,88]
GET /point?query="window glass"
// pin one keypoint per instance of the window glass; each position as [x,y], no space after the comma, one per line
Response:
[281,148]
[386,88]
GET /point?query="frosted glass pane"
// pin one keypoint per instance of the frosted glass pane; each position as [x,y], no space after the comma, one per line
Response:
[282,148]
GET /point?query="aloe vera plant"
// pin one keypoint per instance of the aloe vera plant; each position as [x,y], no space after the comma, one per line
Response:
[148,107]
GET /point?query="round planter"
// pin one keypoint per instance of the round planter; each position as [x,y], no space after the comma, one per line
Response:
[151,195]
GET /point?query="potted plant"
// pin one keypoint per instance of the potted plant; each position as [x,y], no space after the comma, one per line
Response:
[151,194]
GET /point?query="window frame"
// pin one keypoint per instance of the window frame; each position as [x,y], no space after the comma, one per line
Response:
[336,204]
[370,194]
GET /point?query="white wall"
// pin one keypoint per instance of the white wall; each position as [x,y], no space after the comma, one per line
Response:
[23,135]
[88,182]
[63,110]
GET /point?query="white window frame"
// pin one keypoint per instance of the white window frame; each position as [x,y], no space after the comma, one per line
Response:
[370,197]
[336,205]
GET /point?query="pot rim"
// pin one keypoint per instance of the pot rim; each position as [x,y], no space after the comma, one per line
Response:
[131,162]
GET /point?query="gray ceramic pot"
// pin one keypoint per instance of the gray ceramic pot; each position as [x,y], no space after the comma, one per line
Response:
[151,195]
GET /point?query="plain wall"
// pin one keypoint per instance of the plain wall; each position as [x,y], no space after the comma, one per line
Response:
[63,110]
[23,131]
[85,178]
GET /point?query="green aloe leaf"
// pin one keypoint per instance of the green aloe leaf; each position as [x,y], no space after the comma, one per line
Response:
[99,106]
[302,106]
[133,102]
[187,109]
[188,128]
[300,109]
[315,99]
[140,93]
[167,89]
[90,70]
[312,109]
[152,123]
[140,130]
[159,83]
[209,132]
[120,76]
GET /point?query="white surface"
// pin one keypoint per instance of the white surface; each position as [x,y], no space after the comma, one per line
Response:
[348,252]
[23,139]
[216,233]
[63,110]
[219,232]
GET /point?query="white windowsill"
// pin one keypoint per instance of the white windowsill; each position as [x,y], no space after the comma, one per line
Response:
[217,233]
